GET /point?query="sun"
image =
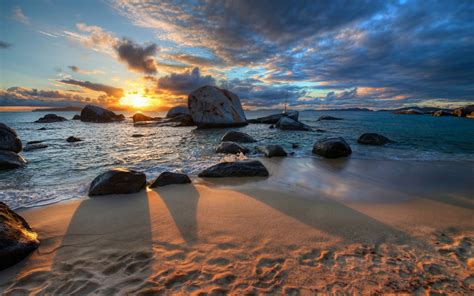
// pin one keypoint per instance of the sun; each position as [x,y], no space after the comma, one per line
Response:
[135,100]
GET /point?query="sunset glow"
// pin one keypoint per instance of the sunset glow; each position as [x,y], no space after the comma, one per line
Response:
[135,100]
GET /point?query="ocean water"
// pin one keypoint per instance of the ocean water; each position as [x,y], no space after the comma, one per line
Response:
[64,170]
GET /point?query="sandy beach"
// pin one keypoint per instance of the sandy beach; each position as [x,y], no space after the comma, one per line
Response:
[314,226]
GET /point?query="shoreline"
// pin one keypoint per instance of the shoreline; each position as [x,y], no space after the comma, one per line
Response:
[346,225]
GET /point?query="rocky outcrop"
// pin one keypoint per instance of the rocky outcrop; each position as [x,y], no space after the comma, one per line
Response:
[17,239]
[117,181]
[91,113]
[168,178]
[31,147]
[73,139]
[327,117]
[272,150]
[239,137]
[467,111]
[442,113]
[212,107]
[332,148]
[138,117]
[51,118]
[409,111]
[76,117]
[286,123]
[231,148]
[373,139]
[273,119]
[253,168]
[10,160]
[9,140]
[177,111]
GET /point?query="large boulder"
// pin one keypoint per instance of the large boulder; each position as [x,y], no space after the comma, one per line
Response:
[231,148]
[10,160]
[177,111]
[272,150]
[91,113]
[273,119]
[9,139]
[373,139]
[51,118]
[17,239]
[467,111]
[212,107]
[117,181]
[327,117]
[286,123]
[234,136]
[253,168]
[332,148]
[168,178]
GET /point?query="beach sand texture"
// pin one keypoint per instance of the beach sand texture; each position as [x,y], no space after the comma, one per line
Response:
[314,226]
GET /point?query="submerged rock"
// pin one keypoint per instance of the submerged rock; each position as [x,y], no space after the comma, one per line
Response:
[34,142]
[253,168]
[10,160]
[327,117]
[332,148]
[9,140]
[239,137]
[76,117]
[91,113]
[212,107]
[231,148]
[168,178]
[273,119]
[178,111]
[286,123]
[373,139]
[17,239]
[73,139]
[272,150]
[31,147]
[51,118]
[117,181]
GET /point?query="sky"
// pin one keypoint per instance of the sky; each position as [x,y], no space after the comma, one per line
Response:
[144,54]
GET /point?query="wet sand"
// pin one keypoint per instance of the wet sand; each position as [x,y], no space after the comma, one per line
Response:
[354,226]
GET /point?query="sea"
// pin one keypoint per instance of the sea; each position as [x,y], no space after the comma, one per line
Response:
[64,171]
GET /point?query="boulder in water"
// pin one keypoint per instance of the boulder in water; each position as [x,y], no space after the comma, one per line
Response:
[373,139]
[117,181]
[467,111]
[332,148]
[231,148]
[31,147]
[273,119]
[17,239]
[168,178]
[212,107]
[76,117]
[442,113]
[253,168]
[327,117]
[9,140]
[91,113]
[272,150]
[10,160]
[137,117]
[286,123]
[177,111]
[239,137]
[73,139]
[51,118]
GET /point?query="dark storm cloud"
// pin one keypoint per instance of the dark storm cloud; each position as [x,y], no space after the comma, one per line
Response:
[138,58]
[184,83]
[22,96]
[109,90]
[4,45]
[74,69]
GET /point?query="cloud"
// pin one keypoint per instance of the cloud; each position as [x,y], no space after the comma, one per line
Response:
[185,82]
[4,45]
[19,16]
[138,58]
[21,96]
[83,71]
[109,90]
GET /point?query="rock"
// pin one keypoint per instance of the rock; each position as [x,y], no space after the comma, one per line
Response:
[168,178]
[177,111]
[137,136]
[42,129]
[442,113]
[272,126]
[51,118]
[231,148]
[91,113]
[32,147]
[238,137]
[181,120]
[320,130]
[117,181]
[212,107]
[332,148]
[294,145]
[327,117]
[272,150]
[137,117]
[9,140]
[73,139]
[17,239]
[467,111]
[286,123]
[409,111]
[34,142]
[373,139]
[76,117]
[10,160]
[253,168]
[273,119]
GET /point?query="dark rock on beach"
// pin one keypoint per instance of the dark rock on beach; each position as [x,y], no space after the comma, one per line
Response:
[272,150]
[31,147]
[17,239]
[273,119]
[213,107]
[286,123]
[73,139]
[252,168]
[10,160]
[9,140]
[373,139]
[327,117]
[51,118]
[168,178]
[177,111]
[231,148]
[238,137]
[91,113]
[117,181]
[332,148]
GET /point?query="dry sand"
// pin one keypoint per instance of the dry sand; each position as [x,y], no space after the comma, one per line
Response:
[313,227]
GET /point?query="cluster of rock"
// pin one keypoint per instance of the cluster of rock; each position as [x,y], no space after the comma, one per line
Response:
[10,146]
[284,121]
[467,111]
[230,144]
[176,116]
[48,118]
